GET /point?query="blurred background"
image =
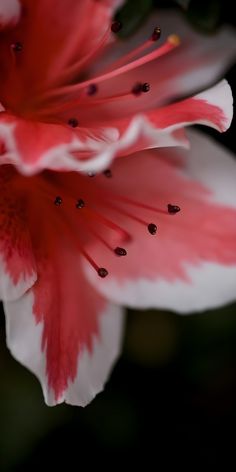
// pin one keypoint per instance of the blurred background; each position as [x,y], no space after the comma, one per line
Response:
[171,399]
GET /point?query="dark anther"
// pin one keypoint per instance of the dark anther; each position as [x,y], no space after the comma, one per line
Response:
[107,173]
[120,251]
[73,122]
[102,272]
[58,201]
[116,26]
[156,33]
[173,209]
[92,89]
[17,46]
[80,203]
[137,88]
[152,228]
[146,87]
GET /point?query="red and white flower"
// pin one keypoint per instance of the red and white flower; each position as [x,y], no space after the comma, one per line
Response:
[95,166]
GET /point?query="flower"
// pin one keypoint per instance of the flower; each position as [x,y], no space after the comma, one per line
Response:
[79,234]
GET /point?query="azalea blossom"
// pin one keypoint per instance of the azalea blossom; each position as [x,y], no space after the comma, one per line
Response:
[106,200]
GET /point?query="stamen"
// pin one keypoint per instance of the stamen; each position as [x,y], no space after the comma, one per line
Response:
[107,173]
[58,201]
[171,43]
[152,228]
[116,26]
[135,52]
[120,251]
[80,203]
[139,204]
[139,87]
[173,209]
[109,224]
[102,272]
[156,34]
[129,215]
[146,87]
[73,70]
[73,122]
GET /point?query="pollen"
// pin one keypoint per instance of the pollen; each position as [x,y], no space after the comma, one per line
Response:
[174,40]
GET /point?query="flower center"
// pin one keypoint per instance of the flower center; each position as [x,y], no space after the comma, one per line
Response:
[99,211]
[65,100]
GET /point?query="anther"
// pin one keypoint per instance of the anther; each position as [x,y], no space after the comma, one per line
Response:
[174,40]
[73,122]
[80,203]
[139,87]
[156,34]
[102,272]
[173,209]
[58,201]
[145,87]
[120,251]
[116,26]
[152,228]
[107,173]
[17,46]
[92,89]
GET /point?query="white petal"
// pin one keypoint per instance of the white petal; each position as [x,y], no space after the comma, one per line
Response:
[10,290]
[215,167]
[209,55]
[206,284]
[212,285]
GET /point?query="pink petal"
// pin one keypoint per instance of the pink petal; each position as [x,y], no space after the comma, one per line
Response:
[190,264]
[213,107]
[32,146]
[66,333]
[9,13]
[57,33]
[197,63]
[17,265]
[76,371]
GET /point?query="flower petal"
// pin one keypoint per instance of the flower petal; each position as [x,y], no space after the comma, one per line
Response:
[92,365]
[190,264]
[61,329]
[33,146]
[197,63]
[70,32]
[9,13]
[213,107]
[17,264]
